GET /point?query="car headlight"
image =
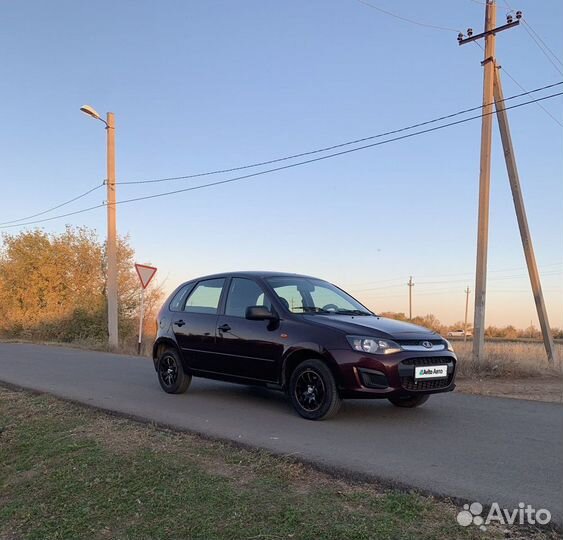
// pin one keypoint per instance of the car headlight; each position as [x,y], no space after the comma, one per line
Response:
[373,345]
[449,345]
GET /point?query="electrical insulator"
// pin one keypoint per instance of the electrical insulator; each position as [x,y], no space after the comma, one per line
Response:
[470,32]
[509,19]
[518,15]
[460,37]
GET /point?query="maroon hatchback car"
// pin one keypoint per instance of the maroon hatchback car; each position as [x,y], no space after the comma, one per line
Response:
[298,334]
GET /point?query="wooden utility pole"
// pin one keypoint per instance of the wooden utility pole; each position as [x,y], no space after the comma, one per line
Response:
[514,179]
[484,186]
[411,285]
[111,285]
[467,291]
[485,170]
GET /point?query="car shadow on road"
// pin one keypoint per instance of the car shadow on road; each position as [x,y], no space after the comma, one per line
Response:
[269,400]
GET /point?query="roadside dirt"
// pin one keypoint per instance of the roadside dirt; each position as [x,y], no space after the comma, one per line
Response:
[548,389]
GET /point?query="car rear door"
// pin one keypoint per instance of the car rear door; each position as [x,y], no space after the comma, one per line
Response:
[250,349]
[195,326]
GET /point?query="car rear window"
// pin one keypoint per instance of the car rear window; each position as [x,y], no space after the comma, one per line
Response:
[205,297]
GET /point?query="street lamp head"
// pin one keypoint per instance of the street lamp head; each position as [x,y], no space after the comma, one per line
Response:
[90,111]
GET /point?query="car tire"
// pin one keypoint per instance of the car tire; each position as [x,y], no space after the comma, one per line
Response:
[313,391]
[409,402]
[171,375]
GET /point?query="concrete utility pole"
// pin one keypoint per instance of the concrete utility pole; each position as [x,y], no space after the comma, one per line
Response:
[484,171]
[411,285]
[113,335]
[467,291]
[518,198]
[111,271]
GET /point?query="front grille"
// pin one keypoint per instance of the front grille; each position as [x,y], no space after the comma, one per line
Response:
[419,341]
[408,383]
[407,374]
[427,361]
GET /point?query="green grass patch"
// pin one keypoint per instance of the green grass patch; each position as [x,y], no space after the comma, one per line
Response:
[69,472]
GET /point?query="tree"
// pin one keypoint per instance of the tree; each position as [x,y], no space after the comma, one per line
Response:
[52,287]
[428,321]
[393,315]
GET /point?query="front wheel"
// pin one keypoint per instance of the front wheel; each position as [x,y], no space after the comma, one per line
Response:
[171,375]
[409,402]
[313,391]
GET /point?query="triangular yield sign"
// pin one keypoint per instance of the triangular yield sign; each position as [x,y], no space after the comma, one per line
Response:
[145,273]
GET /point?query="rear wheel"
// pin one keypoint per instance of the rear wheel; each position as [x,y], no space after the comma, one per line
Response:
[171,375]
[409,402]
[313,391]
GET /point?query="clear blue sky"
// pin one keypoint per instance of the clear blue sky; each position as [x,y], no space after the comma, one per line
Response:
[200,85]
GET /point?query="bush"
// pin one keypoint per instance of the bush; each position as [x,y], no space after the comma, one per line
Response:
[52,288]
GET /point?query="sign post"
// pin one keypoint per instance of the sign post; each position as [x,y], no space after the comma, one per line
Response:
[145,273]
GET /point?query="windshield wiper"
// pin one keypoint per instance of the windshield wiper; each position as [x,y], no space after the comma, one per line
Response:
[352,312]
[311,309]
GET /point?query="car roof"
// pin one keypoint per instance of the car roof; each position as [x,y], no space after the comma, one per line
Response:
[252,273]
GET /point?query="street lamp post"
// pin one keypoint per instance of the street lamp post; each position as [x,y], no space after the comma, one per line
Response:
[111,249]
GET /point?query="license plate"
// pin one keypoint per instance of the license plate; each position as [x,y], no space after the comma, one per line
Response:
[430,372]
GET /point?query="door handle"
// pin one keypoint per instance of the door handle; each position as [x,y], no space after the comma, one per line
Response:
[224,328]
[179,323]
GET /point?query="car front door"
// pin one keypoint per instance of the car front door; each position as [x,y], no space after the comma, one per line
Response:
[195,326]
[251,349]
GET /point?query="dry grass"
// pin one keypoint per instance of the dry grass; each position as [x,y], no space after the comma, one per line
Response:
[72,473]
[128,347]
[508,359]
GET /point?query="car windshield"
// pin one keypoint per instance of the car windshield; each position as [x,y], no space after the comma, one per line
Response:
[314,296]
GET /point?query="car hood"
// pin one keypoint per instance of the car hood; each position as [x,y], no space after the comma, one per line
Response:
[373,326]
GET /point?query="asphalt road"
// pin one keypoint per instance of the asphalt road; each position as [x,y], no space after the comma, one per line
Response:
[470,447]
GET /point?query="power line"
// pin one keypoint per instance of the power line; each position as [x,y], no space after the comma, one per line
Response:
[449,291]
[406,19]
[55,207]
[454,30]
[501,278]
[538,104]
[54,217]
[542,45]
[448,281]
[328,156]
[335,146]
[292,165]
[527,25]
[546,111]
[543,51]
[457,274]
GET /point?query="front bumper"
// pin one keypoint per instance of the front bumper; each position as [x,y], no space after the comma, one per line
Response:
[374,376]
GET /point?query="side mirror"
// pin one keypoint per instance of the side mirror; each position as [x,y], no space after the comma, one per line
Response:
[260,313]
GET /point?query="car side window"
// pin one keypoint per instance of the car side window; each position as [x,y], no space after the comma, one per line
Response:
[244,293]
[177,303]
[291,297]
[205,297]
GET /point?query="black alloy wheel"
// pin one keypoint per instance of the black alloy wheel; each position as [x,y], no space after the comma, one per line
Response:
[312,390]
[171,375]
